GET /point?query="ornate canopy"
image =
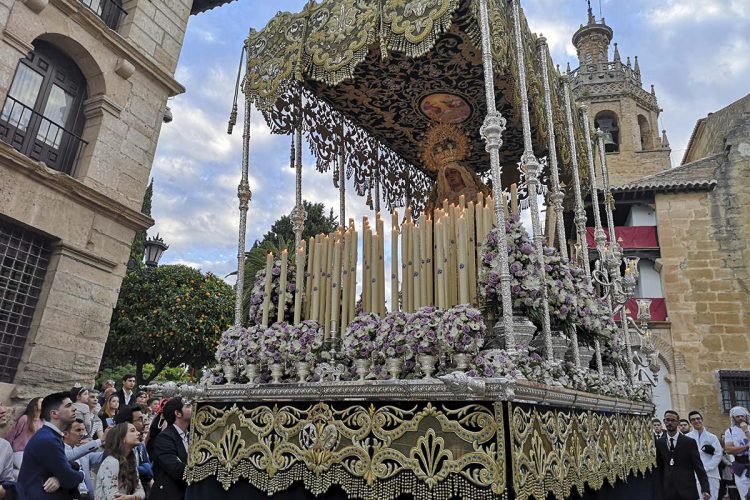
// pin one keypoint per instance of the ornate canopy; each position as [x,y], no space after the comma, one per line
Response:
[368,78]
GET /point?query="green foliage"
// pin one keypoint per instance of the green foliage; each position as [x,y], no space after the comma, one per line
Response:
[169,373]
[170,316]
[281,236]
[139,240]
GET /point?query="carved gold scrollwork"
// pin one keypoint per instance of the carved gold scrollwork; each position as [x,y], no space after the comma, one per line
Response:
[554,451]
[372,451]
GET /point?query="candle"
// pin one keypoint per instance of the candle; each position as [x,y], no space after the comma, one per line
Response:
[366,259]
[394,261]
[267,288]
[345,253]
[417,289]
[428,269]
[513,199]
[326,309]
[439,265]
[462,254]
[374,273]
[381,266]
[471,251]
[353,273]
[315,302]
[336,277]
[299,282]
[282,286]
[405,267]
[310,274]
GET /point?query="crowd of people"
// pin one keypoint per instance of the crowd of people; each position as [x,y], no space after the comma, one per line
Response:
[117,444]
[693,464]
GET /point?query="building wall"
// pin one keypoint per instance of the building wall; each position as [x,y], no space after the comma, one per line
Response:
[710,135]
[91,216]
[704,251]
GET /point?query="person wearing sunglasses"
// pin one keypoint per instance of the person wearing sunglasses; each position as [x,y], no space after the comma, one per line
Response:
[710,451]
[679,464]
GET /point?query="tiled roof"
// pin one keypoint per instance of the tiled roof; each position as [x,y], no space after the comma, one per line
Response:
[204,5]
[694,176]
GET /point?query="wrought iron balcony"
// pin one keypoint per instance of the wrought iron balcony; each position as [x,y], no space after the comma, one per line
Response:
[38,137]
[110,11]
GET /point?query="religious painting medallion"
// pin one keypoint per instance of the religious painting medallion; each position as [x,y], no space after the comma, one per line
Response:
[445,107]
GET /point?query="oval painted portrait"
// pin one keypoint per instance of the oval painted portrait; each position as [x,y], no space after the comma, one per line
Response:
[444,107]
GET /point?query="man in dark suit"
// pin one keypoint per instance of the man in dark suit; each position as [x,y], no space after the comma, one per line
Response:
[45,472]
[679,463]
[125,393]
[170,451]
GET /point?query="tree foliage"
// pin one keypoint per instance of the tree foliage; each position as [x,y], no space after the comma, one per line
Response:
[281,236]
[170,316]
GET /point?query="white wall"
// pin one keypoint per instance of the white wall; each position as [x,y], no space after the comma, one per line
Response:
[649,282]
[641,215]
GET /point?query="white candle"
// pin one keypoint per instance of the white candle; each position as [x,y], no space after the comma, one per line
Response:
[282,286]
[394,261]
[267,289]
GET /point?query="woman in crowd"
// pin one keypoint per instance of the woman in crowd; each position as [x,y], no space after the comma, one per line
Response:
[80,397]
[118,474]
[141,398]
[26,425]
[109,410]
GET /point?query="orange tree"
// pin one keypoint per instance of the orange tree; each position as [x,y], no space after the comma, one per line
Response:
[170,316]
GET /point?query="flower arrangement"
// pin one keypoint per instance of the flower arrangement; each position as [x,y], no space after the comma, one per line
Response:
[561,290]
[228,349]
[525,281]
[359,338]
[306,341]
[462,330]
[249,344]
[392,339]
[423,327]
[257,294]
[275,343]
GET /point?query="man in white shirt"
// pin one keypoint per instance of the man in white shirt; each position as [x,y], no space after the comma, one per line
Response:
[7,471]
[125,394]
[737,443]
[72,438]
[710,451]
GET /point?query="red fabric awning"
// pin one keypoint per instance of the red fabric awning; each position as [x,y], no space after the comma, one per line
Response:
[658,309]
[632,236]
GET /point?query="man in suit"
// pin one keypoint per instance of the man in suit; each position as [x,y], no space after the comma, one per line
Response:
[125,393]
[658,431]
[170,451]
[678,462]
[46,472]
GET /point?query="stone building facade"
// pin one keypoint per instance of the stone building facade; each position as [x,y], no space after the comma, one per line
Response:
[694,227]
[84,85]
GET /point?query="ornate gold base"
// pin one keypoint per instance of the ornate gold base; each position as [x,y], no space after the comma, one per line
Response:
[432,450]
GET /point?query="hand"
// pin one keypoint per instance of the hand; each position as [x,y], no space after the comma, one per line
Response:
[706,495]
[743,426]
[51,485]
[120,496]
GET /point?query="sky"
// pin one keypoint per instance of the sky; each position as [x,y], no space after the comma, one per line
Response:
[693,51]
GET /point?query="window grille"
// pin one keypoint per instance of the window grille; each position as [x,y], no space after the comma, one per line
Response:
[735,388]
[24,257]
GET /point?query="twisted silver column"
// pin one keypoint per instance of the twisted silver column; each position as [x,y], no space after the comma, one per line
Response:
[492,133]
[531,165]
[244,195]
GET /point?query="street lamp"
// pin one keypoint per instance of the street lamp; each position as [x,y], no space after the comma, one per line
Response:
[153,249]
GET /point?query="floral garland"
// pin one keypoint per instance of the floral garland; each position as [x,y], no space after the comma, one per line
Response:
[360,335]
[561,289]
[306,341]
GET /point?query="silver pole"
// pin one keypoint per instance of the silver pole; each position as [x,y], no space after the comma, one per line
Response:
[531,164]
[244,195]
[557,194]
[492,133]
[599,236]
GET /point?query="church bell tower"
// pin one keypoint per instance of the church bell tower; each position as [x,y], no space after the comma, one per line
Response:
[618,104]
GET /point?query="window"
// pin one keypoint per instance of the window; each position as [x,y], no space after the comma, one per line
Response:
[110,11]
[735,388]
[42,116]
[607,121]
[645,130]
[23,264]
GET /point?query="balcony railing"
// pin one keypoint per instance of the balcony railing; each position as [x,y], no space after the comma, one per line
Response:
[38,137]
[633,237]
[110,11]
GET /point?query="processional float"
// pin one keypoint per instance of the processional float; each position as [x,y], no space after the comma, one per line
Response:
[495,369]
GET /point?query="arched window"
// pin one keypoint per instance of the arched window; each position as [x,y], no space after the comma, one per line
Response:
[607,121]
[42,116]
[646,136]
